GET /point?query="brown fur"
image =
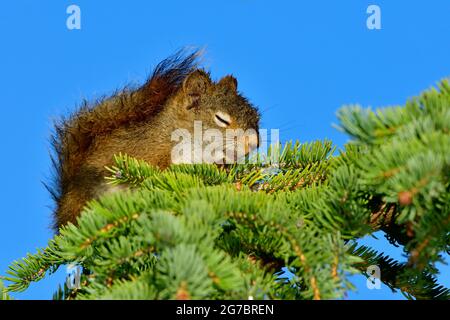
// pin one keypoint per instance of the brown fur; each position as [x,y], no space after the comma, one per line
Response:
[138,123]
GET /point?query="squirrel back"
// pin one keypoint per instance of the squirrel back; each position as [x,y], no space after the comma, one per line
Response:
[138,122]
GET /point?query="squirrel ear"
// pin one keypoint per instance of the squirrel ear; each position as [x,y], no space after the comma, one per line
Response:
[229,82]
[196,83]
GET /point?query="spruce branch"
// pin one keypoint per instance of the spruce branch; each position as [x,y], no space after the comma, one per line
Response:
[204,231]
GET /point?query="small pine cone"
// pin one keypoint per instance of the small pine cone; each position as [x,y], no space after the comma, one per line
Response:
[405,198]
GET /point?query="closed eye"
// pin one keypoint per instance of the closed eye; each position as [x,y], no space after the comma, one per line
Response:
[222,119]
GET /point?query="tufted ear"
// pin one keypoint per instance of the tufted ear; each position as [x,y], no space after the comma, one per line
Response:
[195,84]
[229,82]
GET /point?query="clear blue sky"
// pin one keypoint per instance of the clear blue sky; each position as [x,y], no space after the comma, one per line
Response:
[299,61]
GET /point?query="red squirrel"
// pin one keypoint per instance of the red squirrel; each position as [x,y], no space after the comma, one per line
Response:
[139,122]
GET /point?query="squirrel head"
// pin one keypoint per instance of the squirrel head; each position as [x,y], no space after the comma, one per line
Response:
[220,107]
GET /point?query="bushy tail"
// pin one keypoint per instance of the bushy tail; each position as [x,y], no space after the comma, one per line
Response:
[74,135]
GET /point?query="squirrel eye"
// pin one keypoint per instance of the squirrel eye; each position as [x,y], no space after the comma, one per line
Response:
[222,119]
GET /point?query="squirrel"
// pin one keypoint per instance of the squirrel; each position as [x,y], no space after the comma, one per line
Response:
[139,122]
